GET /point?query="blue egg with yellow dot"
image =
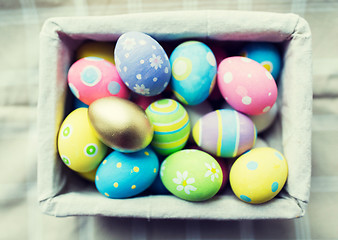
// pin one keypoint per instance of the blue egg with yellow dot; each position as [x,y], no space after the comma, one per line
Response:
[267,54]
[124,175]
[193,66]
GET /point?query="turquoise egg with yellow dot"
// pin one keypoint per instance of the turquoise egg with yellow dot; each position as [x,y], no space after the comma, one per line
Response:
[78,145]
[265,53]
[124,175]
[171,126]
[193,72]
[258,175]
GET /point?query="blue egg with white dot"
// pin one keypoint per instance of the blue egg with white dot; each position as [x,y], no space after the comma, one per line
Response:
[265,53]
[123,175]
[142,63]
[193,72]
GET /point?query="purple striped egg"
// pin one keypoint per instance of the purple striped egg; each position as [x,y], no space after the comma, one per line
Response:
[225,133]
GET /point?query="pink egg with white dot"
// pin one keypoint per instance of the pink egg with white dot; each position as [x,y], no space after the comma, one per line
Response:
[91,78]
[246,85]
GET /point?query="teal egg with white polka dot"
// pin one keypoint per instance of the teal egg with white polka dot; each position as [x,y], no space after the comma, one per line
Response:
[193,72]
[124,175]
[258,175]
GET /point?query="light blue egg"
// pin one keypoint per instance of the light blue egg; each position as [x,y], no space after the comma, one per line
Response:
[266,54]
[142,63]
[123,175]
[193,72]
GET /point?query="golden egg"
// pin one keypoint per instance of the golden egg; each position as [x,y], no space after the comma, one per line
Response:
[120,124]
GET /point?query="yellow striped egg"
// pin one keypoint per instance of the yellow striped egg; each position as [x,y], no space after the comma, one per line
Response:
[171,126]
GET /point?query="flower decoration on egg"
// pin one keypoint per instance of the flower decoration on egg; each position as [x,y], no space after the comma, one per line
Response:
[142,63]
[212,172]
[184,183]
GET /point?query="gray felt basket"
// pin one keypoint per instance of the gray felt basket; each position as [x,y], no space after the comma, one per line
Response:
[61,193]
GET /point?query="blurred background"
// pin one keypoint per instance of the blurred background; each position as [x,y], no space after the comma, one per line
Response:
[20,218]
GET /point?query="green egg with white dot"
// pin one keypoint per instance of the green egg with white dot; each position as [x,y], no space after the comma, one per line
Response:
[78,146]
[192,175]
[258,175]
[123,175]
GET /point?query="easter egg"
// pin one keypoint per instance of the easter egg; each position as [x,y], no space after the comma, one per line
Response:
[191,174]
[78,146]
[195,112]
[225,133]
[92,78]
[120,124]
[193,72]
[171,125]
[266,54]
[258,175]
[246,85]
[123,175]
[103,50]
[142,63]
[265,120]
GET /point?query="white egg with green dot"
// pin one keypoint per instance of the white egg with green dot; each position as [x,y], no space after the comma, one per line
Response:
[258,175]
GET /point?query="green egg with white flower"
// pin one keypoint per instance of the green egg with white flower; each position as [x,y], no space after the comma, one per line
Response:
[192,175]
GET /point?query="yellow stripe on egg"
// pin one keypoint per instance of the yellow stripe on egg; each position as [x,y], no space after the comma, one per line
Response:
[220,129]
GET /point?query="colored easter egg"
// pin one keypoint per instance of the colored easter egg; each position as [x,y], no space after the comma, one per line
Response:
[267,54]
[78,146]
[120,124]
[225,133]
[191,175]
[246,85]
[171,126]
[92,78]
[142,63]
[195,112]
[265,120]
[193,72]
[103,50]
[258,175]
[123,175]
